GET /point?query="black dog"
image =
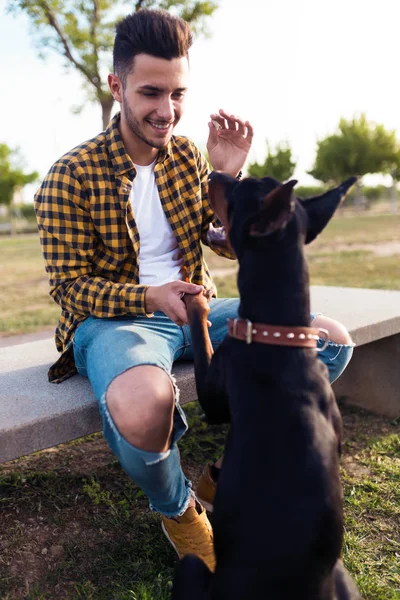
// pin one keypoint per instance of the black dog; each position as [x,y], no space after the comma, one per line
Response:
[278,512]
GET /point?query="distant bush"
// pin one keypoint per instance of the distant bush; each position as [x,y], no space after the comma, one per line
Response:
[379,192]
[27,211]
[370,194]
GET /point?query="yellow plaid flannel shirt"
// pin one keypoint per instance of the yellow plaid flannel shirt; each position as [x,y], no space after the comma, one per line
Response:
[89,237]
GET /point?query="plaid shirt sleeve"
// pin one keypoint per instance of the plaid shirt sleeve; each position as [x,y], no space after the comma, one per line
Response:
[209,216]
[68,241]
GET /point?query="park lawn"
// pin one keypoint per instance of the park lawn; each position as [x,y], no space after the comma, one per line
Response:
[25,305]
[353,268]
[349,230]
[73,526]
[360,228]
[338,257]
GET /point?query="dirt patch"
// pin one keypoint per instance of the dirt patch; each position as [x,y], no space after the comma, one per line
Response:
[53,528]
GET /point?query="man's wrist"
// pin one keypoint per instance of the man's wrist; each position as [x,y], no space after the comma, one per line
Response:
[150,300]
[237,175]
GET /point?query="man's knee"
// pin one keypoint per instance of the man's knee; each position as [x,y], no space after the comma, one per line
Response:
[141,403]
[337,331]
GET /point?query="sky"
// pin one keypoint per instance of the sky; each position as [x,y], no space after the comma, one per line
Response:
[293,68]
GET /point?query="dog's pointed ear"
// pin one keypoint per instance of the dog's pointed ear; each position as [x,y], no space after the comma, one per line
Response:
[270,183]
[320,209]
[275,211]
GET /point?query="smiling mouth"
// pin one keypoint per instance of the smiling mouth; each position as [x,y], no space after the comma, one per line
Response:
[160,126]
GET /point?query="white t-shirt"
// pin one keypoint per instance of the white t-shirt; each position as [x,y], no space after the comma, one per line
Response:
[160,259]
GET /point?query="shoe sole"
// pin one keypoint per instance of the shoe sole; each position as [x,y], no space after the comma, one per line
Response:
[169,539]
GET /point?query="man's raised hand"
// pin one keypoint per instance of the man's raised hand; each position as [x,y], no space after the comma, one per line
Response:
[229,142]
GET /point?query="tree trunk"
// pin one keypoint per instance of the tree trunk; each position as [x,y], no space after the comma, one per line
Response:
[13,221]
[106,107]
[358,198]
[393,196]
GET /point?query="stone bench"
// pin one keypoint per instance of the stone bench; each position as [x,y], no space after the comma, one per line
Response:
[35,414]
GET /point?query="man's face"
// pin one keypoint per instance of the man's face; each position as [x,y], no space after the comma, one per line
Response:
[153,98]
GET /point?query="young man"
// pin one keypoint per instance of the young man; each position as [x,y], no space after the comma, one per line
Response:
[121,220]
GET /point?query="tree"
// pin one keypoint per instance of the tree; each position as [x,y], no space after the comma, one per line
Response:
[278,164]
[12,175]
[359,147]
[82,31]
[395,173]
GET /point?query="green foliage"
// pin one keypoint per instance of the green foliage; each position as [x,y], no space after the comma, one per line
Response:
[12,175]
[395,172]
[27,211]
[82,31]
[377,192]
[308,191]
[359,147]
[278,163]
[369,194]
[194,12]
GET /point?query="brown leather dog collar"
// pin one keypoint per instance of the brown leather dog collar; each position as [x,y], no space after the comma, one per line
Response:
[302,337]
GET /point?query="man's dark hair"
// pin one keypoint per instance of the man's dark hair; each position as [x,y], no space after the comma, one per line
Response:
[154,32]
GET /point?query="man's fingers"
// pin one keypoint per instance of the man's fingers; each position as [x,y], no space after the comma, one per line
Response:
[212,136]
[250,131]
[232,123]
[179,314]
[188,288]
[219,120]
[231,120]
[223,114]
[242,128]
[223,122]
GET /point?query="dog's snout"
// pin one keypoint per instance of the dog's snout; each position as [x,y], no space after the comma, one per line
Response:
[222,182]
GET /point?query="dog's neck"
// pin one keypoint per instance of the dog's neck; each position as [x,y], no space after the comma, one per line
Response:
[281,274]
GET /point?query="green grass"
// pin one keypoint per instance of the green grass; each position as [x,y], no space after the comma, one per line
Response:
[372,511]
[335,258]
[361,229]
[355,269]
[73,525]
[77,499]
[25,305]
[338,257]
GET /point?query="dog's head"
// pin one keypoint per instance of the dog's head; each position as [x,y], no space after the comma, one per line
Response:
[258,208]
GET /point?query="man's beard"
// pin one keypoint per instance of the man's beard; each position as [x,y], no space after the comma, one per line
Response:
[134,126]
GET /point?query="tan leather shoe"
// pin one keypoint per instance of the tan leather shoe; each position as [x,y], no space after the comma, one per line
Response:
[191,533]
[206,488]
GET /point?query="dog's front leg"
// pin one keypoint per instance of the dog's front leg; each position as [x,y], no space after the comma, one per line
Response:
[208,367]
[345,588]
[192,579]
[197,308]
